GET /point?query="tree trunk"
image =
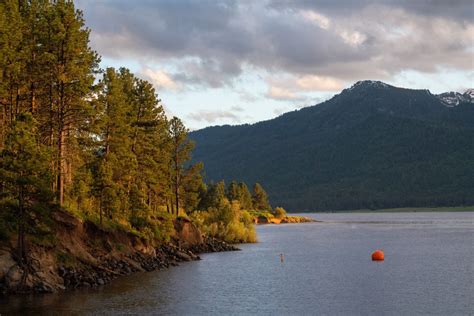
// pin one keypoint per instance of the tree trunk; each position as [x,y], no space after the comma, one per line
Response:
[100,210]
[32,98]
[4,126]
[177,200]
[60,184]
[176,177]
[21,229]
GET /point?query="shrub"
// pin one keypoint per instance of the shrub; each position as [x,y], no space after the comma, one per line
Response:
[227,222]
[279,212]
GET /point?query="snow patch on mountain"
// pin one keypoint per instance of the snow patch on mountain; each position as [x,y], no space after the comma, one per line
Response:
[452,99]
[469,93]
[369,83]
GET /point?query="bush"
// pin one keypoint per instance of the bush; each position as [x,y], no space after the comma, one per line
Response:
[279,212]
[159,228]
[226,222]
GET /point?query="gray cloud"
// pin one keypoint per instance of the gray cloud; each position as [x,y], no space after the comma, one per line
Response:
[237,108]
[214,116]
[452,9]
[209,42]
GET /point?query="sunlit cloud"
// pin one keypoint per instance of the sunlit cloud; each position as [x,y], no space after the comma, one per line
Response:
[159,78]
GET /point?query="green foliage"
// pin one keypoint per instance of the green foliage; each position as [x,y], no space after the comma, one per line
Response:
[213,196]
[279,212]
[227,222]
[240,193]
[233,192]
[260,198]
[245,196]
[96,143]
[185,180]
[24,170]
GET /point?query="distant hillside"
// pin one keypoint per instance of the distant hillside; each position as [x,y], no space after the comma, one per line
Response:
[371,146]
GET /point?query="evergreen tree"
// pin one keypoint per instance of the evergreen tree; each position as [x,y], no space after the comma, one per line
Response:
[149,142]
[72,65]
[245,197]
[12,63]
[260,199]
[180,155]
[233,192]
[193,185]
[214,196]
[25,172]
[115,161]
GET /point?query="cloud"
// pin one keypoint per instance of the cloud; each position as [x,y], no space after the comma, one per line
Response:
[317,18]
[318,83]
[213,116]
[280,93]
[159,78]
[292,88]
[237,108]
[209,43]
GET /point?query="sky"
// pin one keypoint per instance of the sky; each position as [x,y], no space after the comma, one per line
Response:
[233,62]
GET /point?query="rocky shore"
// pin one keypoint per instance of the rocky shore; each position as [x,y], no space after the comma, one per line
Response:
[86,256]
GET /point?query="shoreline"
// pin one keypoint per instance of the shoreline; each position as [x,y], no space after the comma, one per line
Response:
[86,256]
[167,256]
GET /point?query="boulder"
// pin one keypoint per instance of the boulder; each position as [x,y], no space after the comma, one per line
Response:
[13,277]
[6,262]
[187,233]
[183,256]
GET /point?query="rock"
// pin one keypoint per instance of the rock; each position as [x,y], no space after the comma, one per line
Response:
[101,281]
[13,277]
[187,233]
[6,263]
[183,256]
[44,288]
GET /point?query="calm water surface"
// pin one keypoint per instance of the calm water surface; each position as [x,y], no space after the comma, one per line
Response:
[428,269]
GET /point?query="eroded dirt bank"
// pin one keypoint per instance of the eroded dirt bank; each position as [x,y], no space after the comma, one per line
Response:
[84,255]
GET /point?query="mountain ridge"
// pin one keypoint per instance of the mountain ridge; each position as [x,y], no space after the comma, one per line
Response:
[308,149]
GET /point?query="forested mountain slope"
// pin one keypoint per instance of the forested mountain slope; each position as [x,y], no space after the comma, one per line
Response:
[371,146]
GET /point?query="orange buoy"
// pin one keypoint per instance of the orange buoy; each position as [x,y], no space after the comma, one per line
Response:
[378,255]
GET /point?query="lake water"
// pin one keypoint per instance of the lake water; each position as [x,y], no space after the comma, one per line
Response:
[428,269]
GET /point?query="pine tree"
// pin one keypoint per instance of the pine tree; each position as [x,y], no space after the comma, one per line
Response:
[214,195]
[149,131]
[24,169]
[71,68]
[181,148]
[12,63]
[115,159]
[193,185]
[233,192]
[260,199]
[245,197]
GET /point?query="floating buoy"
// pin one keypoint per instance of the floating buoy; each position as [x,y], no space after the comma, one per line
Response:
[378,255]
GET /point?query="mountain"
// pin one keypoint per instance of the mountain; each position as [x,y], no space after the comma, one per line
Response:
[371,146]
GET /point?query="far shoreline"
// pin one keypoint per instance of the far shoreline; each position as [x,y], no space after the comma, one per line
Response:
[396,210]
